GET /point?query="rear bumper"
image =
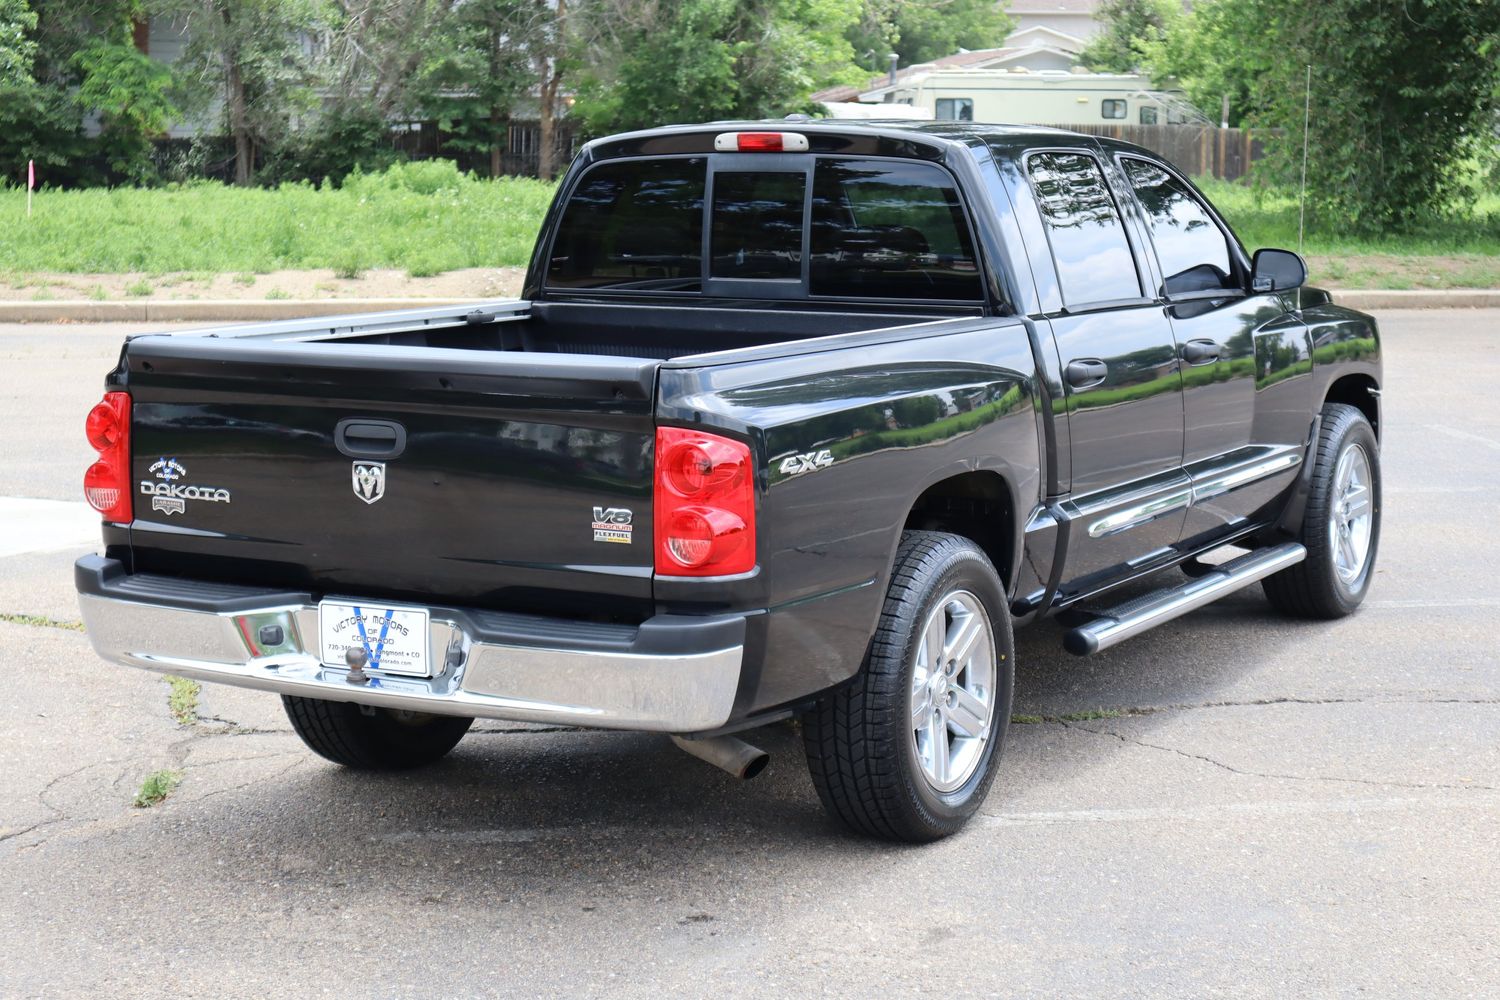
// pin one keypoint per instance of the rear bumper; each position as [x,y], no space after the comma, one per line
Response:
[672,673]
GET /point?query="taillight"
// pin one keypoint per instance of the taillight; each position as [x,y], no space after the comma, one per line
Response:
[705,504]
[106,485]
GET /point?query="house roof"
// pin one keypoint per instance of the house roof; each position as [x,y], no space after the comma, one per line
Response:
[1053,7]
[959,60]
[1042,36]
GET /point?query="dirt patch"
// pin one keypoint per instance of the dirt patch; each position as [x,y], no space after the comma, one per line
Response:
[472,283]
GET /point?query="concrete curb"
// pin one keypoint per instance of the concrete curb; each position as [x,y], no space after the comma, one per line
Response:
[204,310]
[238,310]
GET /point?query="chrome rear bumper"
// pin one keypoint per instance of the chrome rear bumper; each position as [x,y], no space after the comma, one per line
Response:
[674,674]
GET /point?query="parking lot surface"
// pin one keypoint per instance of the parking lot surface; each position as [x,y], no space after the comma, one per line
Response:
[1231,805]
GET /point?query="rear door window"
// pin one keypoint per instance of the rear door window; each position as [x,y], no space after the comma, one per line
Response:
[1089,247]
[634,224]
[890,229]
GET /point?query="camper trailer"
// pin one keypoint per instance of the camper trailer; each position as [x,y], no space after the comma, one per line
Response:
[1049,97]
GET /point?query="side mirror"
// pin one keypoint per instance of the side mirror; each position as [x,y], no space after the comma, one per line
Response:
[1277,271]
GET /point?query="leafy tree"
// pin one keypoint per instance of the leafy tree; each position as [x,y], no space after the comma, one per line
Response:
[642,64]
[253,55]
[478,73]
[1129,29]
[17,46]
[1402,94]
[131,95]
[923,30]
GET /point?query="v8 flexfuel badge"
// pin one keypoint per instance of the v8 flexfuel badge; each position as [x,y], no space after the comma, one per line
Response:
[169,495]
[612,524]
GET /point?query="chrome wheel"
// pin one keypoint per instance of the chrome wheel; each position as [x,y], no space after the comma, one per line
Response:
[953,691]
[1352,516]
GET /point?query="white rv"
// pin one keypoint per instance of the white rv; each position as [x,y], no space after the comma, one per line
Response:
[1047,97]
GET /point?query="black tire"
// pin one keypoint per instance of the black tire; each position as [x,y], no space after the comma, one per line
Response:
[859,739]
[373,739]
[1314,587]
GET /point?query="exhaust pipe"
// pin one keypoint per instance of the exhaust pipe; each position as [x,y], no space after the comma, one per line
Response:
[733,755]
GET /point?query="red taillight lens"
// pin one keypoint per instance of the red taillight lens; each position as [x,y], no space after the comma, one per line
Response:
[760,142]
[705,504]
[106,485]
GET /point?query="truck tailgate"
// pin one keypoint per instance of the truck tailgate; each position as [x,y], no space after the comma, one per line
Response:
[482,478]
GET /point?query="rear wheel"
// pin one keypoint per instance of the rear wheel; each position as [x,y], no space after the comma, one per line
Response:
[908,750]
[373,739]
[1341,524]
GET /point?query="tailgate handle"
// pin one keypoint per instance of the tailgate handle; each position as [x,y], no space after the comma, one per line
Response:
[360,437]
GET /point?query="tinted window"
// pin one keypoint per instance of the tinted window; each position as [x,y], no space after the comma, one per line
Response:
[891,230]
[955,109]
[757,225]
[1112,108]
[1192,250]
[633,223]
[1088,242]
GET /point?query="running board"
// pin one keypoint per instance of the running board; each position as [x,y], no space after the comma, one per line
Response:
[1145,613]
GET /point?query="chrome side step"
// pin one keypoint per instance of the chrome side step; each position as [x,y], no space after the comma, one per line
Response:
[1145,613]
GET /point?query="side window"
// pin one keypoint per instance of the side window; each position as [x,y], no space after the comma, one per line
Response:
[1148,116]
[890,229]
[955,109]
[633,224]
[1193,252]
[1093,258]
[1112,107]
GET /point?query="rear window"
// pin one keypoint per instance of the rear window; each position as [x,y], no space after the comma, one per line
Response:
[879,229]
[633,224]
[893,230]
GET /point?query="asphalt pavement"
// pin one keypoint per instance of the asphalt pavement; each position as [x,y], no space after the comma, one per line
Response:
[1233,805]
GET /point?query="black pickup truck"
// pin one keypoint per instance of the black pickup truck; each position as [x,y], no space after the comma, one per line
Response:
[793,418]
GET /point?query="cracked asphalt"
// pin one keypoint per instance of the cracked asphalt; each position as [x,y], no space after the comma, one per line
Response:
[1234,805]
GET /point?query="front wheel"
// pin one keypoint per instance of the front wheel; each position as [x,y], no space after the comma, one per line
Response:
[1340,525]
[372,739]
[908,750]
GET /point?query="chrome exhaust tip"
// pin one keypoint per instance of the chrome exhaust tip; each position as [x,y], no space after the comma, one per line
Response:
[728,754]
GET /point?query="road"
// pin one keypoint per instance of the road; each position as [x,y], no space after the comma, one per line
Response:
[1232,805]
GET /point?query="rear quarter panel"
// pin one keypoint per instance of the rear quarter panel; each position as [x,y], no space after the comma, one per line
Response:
[895,418]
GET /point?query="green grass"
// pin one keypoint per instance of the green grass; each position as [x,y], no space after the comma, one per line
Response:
[157,786]
[426,217]
[41,621]
[183,699]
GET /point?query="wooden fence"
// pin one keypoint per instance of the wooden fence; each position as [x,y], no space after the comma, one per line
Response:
[1226,153]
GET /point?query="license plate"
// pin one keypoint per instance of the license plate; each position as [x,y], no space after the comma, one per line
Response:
[393,637]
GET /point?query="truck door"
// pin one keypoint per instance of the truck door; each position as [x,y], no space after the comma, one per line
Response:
[1243,354]
[1123,389]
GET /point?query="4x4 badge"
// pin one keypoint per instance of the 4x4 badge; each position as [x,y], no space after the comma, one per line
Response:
[369,481]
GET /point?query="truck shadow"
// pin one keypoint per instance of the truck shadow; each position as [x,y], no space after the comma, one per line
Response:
[566,810]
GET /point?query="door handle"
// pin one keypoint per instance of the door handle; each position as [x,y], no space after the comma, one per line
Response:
[1201,352]
[1085,372]
[357,437]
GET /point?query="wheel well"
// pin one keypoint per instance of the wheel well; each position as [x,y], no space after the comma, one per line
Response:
[1355,391]
[975,505]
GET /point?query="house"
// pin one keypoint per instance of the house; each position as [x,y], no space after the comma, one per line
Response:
[1074,18]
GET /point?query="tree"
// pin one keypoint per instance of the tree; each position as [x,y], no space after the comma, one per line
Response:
[1402,94]
[17,46]
[130,93]
[923,30]
[1130,28]
[253,55]
[642,64]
